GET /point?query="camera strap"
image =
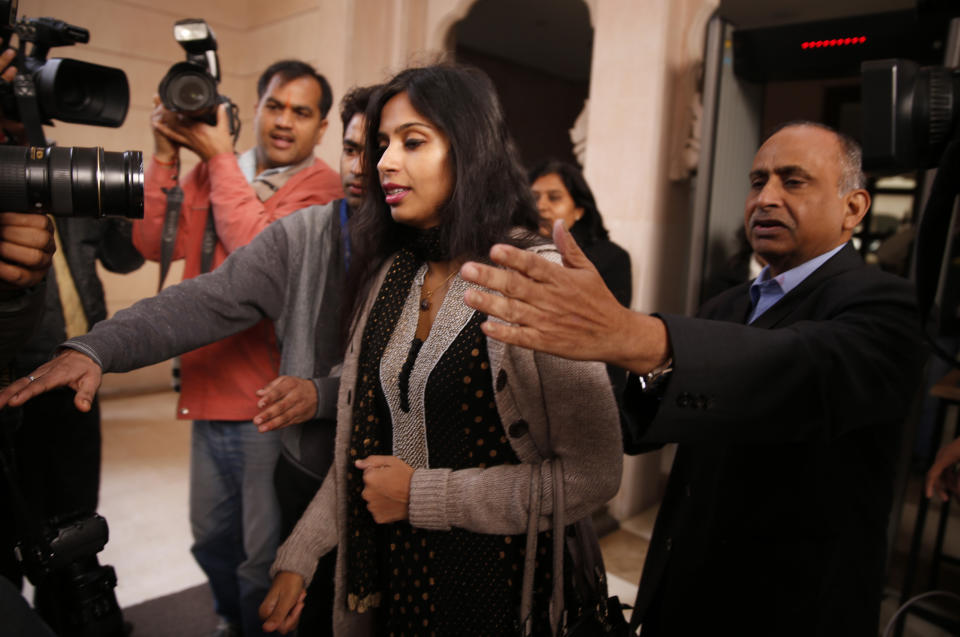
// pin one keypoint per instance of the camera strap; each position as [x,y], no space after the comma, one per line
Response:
[168,239]
[209,243]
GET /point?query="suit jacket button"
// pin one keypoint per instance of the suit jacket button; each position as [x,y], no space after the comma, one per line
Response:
[683,400]
[700,402]
[669,543]
[518,428]
[501,380]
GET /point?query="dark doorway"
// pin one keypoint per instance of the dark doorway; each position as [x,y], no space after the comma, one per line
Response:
[538,54]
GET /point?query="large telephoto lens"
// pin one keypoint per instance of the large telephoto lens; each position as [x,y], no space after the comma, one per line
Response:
[71,182]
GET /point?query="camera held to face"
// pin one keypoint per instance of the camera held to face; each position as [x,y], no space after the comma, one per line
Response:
[190,87]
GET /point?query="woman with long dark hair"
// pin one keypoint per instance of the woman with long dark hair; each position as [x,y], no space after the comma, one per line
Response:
[456,455]
[561,192]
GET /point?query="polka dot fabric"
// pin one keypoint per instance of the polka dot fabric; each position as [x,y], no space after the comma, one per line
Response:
[457,582]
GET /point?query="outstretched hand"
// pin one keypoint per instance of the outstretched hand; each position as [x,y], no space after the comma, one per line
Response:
[285,401]
[69,369]
[283,604]
[943,478]
[565,310]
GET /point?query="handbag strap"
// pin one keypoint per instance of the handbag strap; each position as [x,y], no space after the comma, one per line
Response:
[530,557]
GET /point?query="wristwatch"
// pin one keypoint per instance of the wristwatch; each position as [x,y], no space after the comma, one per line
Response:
[655,378]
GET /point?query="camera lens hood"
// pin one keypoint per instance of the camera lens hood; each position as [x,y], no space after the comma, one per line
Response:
[188,88]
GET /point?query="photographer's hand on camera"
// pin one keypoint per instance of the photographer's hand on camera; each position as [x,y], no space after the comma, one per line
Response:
[69,369]
[172,130]
[12,128]
[26,250]
[165,149]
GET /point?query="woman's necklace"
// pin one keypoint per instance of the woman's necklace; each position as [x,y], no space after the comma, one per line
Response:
[425,299]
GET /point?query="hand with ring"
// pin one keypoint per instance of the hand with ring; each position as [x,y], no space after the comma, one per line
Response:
[69,369]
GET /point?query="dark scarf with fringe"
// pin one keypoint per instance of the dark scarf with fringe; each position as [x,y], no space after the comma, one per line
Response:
[372,426]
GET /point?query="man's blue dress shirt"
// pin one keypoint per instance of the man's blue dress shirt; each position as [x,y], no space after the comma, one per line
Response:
[765,291]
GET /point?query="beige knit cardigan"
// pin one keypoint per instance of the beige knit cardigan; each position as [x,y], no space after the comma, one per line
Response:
[563,424]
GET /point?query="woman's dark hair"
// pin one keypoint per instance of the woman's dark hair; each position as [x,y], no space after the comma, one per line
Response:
[490,195]
[589,227]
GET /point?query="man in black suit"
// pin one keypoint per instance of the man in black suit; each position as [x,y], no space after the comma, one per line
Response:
[787,397]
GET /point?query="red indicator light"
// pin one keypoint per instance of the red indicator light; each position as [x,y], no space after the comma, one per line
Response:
[818,44]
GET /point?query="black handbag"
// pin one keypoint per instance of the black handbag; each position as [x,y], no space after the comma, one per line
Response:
[595,613]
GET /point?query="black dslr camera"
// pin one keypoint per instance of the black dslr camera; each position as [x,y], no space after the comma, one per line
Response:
[190,87]
[63,181]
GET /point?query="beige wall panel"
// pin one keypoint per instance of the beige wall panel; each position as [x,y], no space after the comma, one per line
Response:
[369,57]
[114,26]
[263,12]
[625,140]
[227,13]
[297,37]
[128,137]
[441,16]
[625,165]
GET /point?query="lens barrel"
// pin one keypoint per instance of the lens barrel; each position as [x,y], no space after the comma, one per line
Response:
[190,89]
[71,182]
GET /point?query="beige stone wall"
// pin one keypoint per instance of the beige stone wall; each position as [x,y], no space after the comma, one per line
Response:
[632,130]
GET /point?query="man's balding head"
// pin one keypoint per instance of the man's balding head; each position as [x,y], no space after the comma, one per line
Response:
[806,194]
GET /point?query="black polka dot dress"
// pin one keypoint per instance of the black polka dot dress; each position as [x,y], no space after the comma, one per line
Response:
[458,582]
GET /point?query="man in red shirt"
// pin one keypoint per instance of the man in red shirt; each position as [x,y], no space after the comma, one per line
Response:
[226,200]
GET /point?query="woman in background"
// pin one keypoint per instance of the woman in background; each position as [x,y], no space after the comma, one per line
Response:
[561,192]
[456,455]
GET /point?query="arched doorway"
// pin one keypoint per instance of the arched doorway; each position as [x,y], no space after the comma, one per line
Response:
[538,54]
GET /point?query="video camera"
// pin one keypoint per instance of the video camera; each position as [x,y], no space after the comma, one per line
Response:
[909,114]
[190,87]
[910,122]
[64,181]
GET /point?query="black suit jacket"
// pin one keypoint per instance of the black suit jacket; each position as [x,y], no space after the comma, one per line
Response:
[775,514]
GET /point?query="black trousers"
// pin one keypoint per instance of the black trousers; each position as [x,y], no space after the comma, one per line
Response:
[295,489]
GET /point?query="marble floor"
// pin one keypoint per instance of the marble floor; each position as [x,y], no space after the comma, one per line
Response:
[144,498]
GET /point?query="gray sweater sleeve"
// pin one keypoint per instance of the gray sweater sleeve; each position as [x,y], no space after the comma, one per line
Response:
[247,287]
